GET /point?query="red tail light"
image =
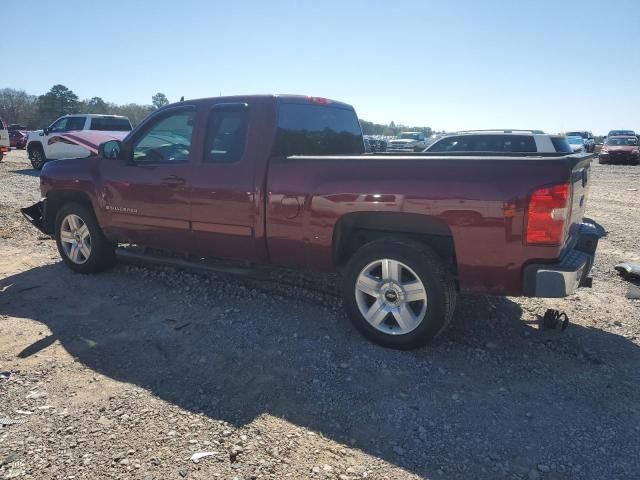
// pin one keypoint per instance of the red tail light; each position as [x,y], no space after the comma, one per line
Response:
[547,214]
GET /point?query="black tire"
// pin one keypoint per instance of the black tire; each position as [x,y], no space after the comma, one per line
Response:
[430,270]
[102,252]
[37,157]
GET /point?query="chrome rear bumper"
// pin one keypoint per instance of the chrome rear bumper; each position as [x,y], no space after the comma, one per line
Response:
[571,272]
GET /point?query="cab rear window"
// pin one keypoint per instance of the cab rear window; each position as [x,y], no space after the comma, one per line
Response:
[317,130]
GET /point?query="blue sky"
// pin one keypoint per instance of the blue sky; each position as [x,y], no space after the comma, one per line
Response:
[553,65]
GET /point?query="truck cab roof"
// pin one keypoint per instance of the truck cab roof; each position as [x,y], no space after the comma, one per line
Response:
[282,98]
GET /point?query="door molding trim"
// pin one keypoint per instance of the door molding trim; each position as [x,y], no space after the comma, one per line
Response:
[238,230]
[122,218]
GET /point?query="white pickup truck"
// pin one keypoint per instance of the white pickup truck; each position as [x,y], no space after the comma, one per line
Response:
[52,143]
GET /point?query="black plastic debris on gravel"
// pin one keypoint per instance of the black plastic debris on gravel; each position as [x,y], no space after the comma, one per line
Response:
[629,271]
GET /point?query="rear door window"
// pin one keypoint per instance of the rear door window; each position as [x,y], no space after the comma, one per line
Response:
[107,124]
[227,133]
[309,129]
[519,143]
[486,143]
[76,123]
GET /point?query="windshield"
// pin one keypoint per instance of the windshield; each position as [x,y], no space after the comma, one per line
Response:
[622,141]
[578,134]
[575,140]
[409,136]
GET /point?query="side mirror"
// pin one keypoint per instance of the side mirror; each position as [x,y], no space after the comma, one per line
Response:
[46,131]
[111,149]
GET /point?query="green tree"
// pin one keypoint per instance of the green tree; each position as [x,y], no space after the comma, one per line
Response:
[159,100]
[95,105]
[133,111]
[56,102]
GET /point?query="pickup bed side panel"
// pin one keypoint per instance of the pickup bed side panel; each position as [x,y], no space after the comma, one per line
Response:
[483,201]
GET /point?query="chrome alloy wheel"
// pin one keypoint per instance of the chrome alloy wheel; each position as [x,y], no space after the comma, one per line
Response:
[75,239]
[36,158]
[391,297]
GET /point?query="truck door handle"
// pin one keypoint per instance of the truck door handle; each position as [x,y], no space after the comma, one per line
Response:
[173,181]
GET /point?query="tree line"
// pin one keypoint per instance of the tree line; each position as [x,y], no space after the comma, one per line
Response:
[391,130]
[34,112]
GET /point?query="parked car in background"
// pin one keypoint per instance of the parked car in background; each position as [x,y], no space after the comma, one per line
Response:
[408,142]
[577,143]
[18,139]
[518,141]
[283,180]
[620,149]
[47,144]
[5,143]
[589,140]
[375,144]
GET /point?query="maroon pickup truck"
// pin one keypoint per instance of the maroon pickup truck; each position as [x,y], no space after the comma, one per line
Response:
[283,180]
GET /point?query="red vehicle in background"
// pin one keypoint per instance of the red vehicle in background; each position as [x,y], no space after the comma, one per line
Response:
[18,139]
[620,149]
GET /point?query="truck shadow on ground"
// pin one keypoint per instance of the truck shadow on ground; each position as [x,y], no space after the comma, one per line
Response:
[493,396]
[27,171]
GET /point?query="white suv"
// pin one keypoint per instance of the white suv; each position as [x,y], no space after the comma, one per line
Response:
[5,144]
[508,141]
[46,144]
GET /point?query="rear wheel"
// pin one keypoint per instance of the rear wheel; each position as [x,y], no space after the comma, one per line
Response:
[37,157]
[398,293]
[81,243]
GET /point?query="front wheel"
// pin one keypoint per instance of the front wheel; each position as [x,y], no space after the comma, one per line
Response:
[81,243]
[37,157]
[398,293]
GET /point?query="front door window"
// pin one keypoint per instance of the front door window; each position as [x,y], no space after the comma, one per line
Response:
[167,141]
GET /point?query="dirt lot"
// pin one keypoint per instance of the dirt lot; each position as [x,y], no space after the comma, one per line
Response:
[128,373]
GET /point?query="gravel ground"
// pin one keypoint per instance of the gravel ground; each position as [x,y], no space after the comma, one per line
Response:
[127,374]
